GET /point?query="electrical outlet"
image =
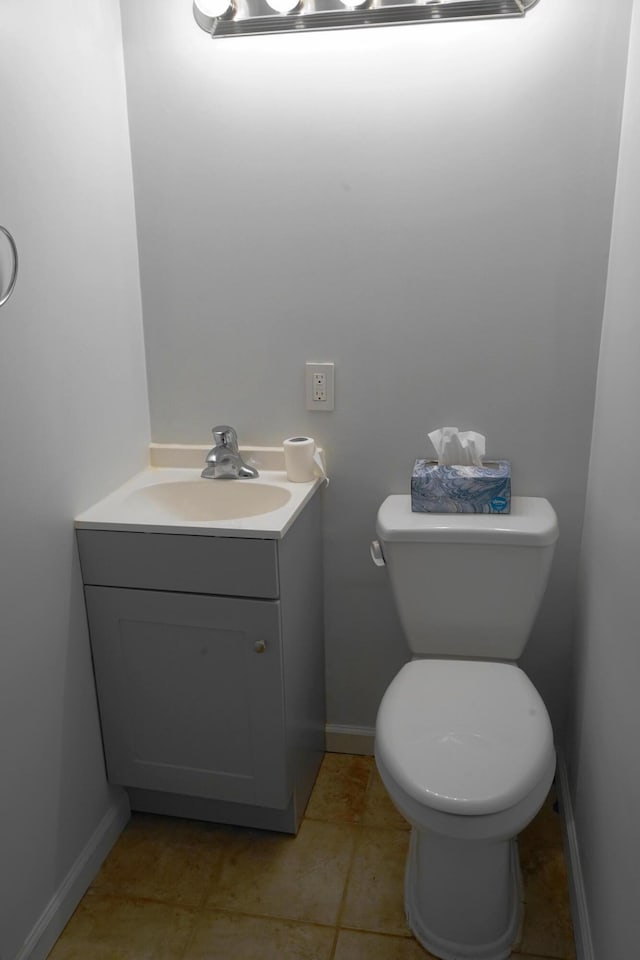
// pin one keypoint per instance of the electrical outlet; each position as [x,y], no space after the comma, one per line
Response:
[319,386]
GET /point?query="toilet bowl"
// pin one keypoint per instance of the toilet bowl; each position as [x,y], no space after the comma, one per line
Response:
[465,750]
[464,744]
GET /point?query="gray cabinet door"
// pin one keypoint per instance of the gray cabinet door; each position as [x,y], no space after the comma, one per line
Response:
[188,703]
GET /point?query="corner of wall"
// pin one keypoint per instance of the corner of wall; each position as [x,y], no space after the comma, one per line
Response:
[579,909]
[66,898]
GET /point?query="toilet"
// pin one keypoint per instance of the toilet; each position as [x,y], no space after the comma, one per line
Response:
[463,742]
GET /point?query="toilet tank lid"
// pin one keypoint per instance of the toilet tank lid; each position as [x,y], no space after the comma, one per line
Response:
[532,522]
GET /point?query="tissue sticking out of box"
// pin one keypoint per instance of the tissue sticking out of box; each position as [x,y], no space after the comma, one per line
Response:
[458,449]
[460,482]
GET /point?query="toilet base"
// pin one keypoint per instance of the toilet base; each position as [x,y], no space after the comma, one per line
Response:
[463,899]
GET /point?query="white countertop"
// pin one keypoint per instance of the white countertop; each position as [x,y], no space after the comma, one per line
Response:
[128,509]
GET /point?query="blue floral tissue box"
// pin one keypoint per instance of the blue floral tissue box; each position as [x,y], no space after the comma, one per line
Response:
[440,489]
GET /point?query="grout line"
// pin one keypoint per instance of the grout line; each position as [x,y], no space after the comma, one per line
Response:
[191,937]
[368,792]
[277,918]
[204,909]
[137,898]
[208,911]
[357,834]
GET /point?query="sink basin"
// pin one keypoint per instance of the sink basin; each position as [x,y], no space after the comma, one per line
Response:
[191,501]
[176,499]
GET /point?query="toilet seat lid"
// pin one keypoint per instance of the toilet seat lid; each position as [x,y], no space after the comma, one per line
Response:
[465,737]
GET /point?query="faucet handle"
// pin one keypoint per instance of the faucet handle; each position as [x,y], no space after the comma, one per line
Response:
[225,436]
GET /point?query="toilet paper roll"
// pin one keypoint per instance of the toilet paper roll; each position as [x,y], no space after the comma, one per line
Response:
[302,459]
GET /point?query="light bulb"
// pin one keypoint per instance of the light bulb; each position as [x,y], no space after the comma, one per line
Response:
[214,8]
[284,6]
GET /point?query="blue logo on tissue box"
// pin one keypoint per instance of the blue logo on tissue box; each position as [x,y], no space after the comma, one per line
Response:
[461,489]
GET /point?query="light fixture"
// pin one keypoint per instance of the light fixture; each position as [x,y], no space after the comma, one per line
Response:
[249,17]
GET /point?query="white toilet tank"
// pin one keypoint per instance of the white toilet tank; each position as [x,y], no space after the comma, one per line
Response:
[468,585]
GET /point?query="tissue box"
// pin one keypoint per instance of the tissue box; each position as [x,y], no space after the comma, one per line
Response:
[485,489]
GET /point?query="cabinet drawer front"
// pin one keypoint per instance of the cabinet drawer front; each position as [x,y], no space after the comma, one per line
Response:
[229,566]
[190,694]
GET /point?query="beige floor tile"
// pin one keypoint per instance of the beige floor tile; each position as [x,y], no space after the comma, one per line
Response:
[545,830]
[107,928]
[227,936]
[164,859]
[379,811]
[269,896]
[375,893]
[548,929]
[296,878]
[353,945]
[340,790]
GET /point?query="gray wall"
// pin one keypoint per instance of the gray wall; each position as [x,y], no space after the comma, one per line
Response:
[604,760]
[430,208]
[73,423]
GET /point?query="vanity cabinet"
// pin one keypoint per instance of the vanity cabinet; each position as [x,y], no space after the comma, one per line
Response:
[209,669]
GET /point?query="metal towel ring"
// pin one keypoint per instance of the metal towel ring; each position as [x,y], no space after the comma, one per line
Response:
[14,275]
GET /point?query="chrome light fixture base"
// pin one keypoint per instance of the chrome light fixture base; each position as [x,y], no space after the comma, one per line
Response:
[251,17]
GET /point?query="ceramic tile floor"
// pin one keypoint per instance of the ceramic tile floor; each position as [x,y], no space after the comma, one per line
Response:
[185,890]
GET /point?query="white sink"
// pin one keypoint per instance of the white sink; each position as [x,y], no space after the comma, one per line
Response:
[194,500]
[178,500]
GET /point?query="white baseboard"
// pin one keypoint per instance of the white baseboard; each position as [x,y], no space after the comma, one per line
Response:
[58,911]
[579,910]
[345,739]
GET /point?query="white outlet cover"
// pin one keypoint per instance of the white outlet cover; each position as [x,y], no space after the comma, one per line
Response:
[328,370]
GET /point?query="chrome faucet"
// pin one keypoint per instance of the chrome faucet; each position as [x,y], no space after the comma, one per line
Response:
[223,460]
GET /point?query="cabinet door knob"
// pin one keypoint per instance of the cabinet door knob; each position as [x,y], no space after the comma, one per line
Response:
[259,646]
